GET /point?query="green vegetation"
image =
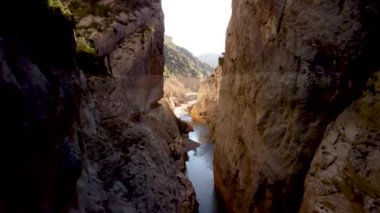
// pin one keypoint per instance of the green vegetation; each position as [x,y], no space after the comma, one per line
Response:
[83,46]
[167,73]
[82,8]
[81,43]
[106,11]
[58,5]
[181,62]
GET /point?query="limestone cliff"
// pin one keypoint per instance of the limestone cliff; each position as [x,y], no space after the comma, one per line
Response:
[205,110]
[93,139]
[293,70]
[134,148]
[344,174]
[128,39]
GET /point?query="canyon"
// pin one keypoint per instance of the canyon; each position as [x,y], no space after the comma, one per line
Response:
[298,105]
[293,108]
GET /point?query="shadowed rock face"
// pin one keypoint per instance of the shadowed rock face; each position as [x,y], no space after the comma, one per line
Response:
[90,141]
[344,174]
[40,89]
[290,69]
[134,148]
[128,39]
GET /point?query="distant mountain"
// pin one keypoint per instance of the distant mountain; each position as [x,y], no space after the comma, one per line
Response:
[210,59]
[181,62]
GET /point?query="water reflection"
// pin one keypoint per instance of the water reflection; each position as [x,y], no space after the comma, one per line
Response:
[201,133]
[199,166]
[199,171]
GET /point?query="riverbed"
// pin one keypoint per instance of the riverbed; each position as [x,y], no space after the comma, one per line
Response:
[199,167]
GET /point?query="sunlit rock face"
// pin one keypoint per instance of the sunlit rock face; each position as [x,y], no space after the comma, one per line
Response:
[205,108]
[294,70]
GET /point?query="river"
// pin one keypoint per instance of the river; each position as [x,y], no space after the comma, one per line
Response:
[199,166]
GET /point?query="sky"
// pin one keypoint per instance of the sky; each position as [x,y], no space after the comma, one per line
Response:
[197,25]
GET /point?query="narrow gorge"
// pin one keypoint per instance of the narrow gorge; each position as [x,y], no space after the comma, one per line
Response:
[91,89]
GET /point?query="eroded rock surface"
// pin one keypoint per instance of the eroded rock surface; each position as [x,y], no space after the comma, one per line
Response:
[290,69]
[136,166]
[344,175]
[128,39]
[93,139]
[135,149]
[205,109]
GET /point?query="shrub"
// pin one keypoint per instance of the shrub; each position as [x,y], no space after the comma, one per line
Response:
[83,46]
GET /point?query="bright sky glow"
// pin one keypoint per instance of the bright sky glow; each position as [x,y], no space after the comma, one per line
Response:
[197,25]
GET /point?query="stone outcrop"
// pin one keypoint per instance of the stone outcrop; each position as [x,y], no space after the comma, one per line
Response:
[292,71]
[128,39]
[344,175]
[93,139]
[133,142]
[135,165]
[205,109]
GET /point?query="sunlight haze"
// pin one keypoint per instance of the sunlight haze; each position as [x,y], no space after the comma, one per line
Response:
[197,25]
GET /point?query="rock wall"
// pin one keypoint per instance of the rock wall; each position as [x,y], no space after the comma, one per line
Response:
[40,91]
[128,39]
[134,148]
[344,174]
[93,139]
[205,110]
[134,165]
[292,70]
